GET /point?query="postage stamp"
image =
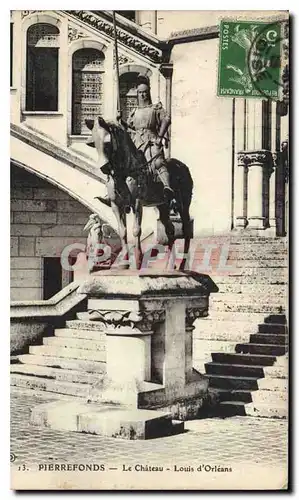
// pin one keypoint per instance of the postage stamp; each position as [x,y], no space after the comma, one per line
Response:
[249,59]
[149,250]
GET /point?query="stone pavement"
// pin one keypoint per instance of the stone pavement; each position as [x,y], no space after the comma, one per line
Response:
[212,442]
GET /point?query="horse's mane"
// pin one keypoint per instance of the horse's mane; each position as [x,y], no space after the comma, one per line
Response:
[129,158]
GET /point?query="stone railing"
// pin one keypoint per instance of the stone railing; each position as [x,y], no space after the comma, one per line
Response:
[31,319]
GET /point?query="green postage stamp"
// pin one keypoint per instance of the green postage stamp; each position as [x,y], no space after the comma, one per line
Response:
[249,59]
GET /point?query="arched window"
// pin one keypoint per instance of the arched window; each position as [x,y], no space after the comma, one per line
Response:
[42,67]
[128,93]
[87,93]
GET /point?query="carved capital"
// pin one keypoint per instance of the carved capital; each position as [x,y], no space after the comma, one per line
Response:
[261,157]
[193,313]
[166,69]
[141,320]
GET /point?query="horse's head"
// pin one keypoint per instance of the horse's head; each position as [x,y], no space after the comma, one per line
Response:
[113,144]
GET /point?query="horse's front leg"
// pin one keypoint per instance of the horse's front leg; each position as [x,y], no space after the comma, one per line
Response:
[120,214]
[137,209]
[136,204]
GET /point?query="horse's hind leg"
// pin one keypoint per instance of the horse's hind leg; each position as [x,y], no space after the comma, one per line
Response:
[120,214]
[169,231]
[137,232]
[186,227]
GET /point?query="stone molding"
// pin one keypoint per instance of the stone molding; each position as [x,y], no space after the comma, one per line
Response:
[141,320]
[124,37]
[261,157]
[46,144]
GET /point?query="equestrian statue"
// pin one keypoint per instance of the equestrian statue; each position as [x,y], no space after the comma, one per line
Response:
[138,174]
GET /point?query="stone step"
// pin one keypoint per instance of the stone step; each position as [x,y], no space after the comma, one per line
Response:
[238,370]
[250,269]
[236,254]
[42,384]
[272,328]
[269,397]
[78,324]
[243,359]
[246,298]
[60,374]
[65,352]
[222,334]
[268,338]
[232,382]
[247,307]
[251,275]
[273,384]
[276,371]
[64,363]
[267,349]
[276,319]
[76,343]
[206,346]
[232,317]
[235,395]
[266,410]
[77,333]
[240,238]
[242,289]
[231,408]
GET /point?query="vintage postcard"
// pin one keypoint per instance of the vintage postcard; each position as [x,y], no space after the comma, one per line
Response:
[149,250]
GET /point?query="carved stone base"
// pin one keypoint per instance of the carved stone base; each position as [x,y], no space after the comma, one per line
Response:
[257,223]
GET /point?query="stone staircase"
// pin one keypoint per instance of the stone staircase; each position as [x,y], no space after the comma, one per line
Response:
[71,362]
[242,346]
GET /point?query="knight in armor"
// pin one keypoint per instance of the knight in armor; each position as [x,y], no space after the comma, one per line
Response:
[148,125]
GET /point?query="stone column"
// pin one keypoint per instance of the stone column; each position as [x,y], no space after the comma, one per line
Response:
[240,221]
[241,173]
[260,165]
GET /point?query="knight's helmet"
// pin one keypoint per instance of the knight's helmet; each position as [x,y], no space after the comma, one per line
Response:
[144,80]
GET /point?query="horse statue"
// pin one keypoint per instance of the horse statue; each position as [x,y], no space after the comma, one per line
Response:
[132,184]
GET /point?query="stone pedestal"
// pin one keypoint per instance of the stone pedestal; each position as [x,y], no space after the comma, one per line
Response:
[147,318]
[258,165]
[148,321]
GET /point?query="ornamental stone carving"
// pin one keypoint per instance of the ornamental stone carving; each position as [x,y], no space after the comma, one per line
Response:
[122,59]
[143,320]
[193,313]
[25,13]
[75,34]
[123,36]
[261,157]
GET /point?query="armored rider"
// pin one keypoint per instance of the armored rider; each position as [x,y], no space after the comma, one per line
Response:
[147,125]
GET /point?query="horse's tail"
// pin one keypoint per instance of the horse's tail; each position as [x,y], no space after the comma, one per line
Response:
[180,180]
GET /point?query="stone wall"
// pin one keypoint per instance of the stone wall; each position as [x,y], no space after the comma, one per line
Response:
[44,220]
[201,134]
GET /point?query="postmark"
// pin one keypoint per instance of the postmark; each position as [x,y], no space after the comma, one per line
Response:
[249,60]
